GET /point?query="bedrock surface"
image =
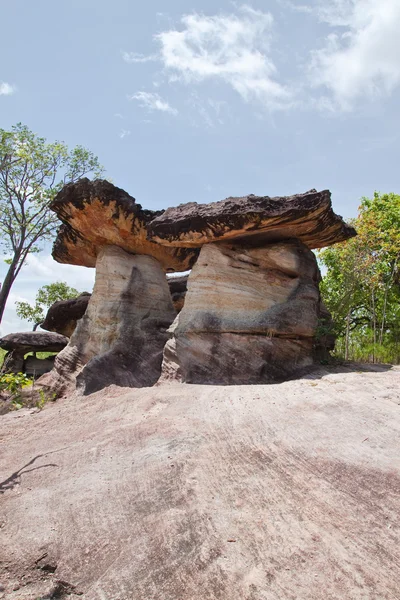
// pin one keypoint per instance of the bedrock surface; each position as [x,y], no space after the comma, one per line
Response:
[288,491]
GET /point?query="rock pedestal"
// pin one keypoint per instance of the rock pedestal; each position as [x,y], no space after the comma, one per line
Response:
[250,315]
[121,337]
[20,344]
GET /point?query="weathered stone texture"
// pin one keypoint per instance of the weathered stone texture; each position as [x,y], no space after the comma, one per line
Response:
[96,214]
[120,338]
[63,315]
[250,315]
[256,219]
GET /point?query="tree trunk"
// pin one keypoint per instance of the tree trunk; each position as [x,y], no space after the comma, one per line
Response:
[385,302]
[346,350]
[6,286]
[374,326]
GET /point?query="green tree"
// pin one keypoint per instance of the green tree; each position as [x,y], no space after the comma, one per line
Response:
[32,171]
[45,297]
[361,286]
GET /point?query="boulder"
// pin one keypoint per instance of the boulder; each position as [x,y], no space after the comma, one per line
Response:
[63,315]
[121,337]
[96,214]
[254,220]
[250,316]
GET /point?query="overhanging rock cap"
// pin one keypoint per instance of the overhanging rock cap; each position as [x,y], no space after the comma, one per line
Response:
[254,220]
[96,214]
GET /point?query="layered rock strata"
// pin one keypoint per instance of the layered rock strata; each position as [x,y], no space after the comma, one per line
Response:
[97,214]
[250,315]
[121,337]
[254,219]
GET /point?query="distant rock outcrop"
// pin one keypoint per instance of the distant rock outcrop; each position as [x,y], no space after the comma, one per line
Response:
[20,344]
[63,315]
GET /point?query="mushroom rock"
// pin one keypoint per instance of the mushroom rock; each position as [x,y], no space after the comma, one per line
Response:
[19,344]
[120,338]
[96,214]
[255,220]
[63,315]
[250,316]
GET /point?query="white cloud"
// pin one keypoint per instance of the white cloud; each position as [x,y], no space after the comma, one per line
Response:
[136,57]
[124,133]
[234,48]
[6,89]
[153,102]
[363,59]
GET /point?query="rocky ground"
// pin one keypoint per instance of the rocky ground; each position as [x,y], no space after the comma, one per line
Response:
[184,492]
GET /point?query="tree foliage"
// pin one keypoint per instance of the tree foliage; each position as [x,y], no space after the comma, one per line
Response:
[45,297]
[361,286]
[32,171]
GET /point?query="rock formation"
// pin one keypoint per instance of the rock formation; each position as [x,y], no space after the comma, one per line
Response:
[178,289]
[252,307]
[250,315]
[20,344]
[97,214]
[63,315]
[120,338]
[254,219]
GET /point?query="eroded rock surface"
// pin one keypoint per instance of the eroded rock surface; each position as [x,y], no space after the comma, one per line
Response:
[96,214]
[63,315]
[250,315]
[254,219]
[280,492]
[120,338]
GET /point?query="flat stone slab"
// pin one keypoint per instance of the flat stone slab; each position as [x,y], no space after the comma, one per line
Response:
[255,220]
[31,341]
[277,492]
[97,214]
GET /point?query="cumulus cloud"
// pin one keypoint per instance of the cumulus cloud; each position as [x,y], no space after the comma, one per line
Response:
[234,48]
[6,89]
[153,102]
[361,59]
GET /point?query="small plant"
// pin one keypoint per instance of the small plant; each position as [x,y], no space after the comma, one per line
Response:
[13,383]
[44,399]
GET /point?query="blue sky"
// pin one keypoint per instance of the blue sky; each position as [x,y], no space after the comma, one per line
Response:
[195,101]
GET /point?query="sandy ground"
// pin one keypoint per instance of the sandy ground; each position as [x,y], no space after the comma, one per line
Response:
[287,491]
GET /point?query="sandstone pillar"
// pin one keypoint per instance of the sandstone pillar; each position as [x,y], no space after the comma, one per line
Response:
[121,336]
[250,315]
